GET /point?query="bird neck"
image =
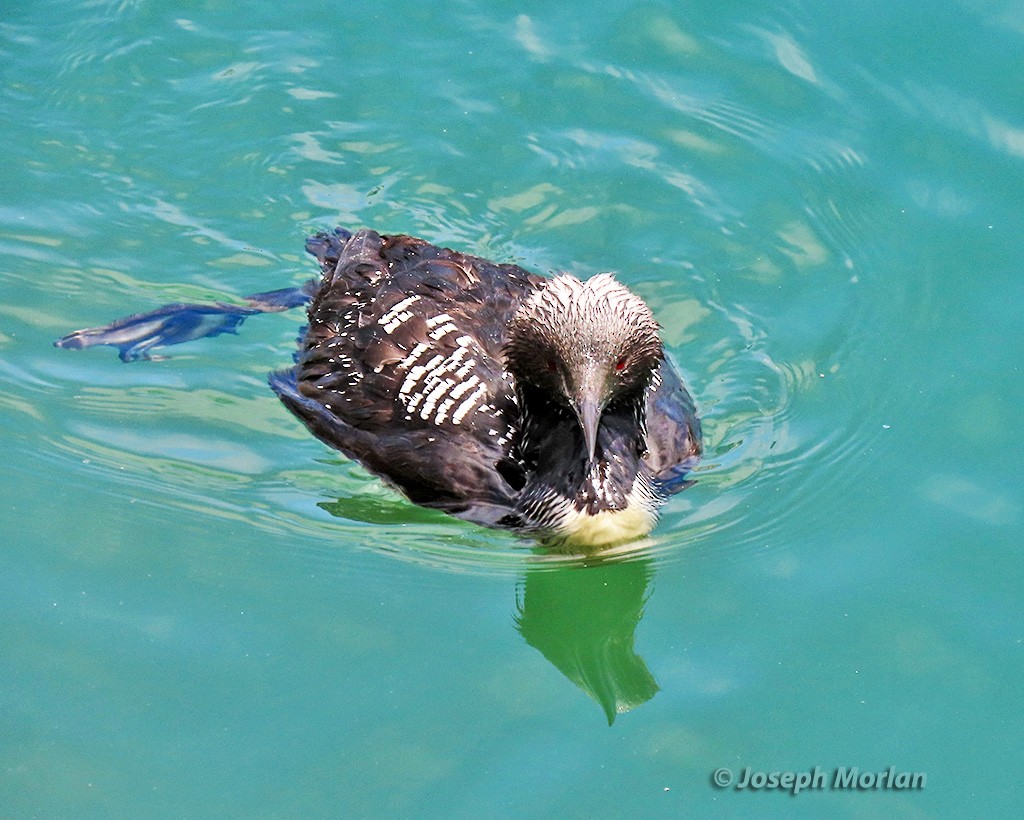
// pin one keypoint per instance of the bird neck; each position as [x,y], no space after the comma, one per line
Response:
[554,452]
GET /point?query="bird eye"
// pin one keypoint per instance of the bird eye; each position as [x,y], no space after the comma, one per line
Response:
[620,365]
[552,367]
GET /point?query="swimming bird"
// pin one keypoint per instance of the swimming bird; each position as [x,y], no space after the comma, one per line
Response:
[543,405]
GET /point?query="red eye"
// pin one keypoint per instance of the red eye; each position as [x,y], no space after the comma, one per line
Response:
[620,365]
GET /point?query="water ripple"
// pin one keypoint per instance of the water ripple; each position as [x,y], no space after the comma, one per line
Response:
[740,197]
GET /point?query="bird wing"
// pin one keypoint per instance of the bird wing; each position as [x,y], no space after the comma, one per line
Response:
[673,432]
[401,367]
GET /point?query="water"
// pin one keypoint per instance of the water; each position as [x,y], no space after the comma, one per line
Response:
[207,612]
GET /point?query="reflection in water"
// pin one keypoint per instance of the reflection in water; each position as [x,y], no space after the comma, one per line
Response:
[580,612]
[375,509]
[583,620]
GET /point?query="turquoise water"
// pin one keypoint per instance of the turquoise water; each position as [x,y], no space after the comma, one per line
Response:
[206,612]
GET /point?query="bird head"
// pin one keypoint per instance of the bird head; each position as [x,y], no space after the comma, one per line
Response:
[585,345]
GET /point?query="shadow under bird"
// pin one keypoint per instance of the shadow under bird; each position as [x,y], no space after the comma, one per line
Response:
[542,405]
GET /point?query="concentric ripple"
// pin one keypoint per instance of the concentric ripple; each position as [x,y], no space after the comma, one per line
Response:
[740,197]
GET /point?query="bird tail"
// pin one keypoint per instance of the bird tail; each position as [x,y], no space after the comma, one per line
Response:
[327,246]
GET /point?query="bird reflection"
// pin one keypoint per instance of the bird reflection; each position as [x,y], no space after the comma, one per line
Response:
[583,619]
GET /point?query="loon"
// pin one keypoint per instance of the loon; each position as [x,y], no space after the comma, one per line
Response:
[542,405]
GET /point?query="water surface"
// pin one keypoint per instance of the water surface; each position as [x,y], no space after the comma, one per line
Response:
[207,612]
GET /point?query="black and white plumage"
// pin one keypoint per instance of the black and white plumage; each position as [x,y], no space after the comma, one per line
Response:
[499,396]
